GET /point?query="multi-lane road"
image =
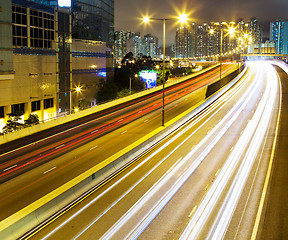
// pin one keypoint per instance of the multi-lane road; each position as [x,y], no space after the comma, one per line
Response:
[52,158]
[206,181]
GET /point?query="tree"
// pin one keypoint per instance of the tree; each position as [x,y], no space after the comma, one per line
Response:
[12,124]
[107,91]
[33,119]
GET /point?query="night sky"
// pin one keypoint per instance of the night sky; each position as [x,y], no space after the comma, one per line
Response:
[128,13]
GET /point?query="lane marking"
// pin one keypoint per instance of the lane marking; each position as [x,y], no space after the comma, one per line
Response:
[6,169]
[193,210]
[217,172]
[124,132]
[93,147]
[51,169]
[60,146]
[265,187]
[95,131]
[146,120]
[120,120]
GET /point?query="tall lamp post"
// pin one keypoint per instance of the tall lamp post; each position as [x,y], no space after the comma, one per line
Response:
[230,31]
[182,18]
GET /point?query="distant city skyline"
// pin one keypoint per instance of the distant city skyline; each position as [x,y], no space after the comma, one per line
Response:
[199,11]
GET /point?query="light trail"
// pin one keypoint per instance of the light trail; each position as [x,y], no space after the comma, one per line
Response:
[259,122]
[140,223]
[25,161]
[207,112]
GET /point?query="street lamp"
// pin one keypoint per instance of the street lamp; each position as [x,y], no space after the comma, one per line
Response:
[136,75]
[182,18]
[230,31]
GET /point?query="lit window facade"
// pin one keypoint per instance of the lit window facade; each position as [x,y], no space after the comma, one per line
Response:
[93,20]
[32,27]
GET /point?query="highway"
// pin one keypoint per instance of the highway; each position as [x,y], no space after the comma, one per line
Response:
[204,182]
[51,159]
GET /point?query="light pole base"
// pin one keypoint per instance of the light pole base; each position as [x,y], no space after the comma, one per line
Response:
[163,123]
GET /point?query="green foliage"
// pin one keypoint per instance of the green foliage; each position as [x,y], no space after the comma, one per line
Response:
[160,74]
[12,124]
[107,91]
[123,93]
[83,104]
[130,67]
[33,119]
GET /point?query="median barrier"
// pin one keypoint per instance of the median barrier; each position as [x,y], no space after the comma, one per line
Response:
[66,195]
[215,86]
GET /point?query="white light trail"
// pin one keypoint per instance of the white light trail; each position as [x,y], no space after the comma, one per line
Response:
[259,122]
[181,177]
[220,102]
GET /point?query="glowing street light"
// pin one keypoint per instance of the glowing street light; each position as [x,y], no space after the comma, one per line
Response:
[231,30]
[182,18]
[78,89]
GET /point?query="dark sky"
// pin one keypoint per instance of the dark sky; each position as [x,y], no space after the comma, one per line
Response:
[128,13]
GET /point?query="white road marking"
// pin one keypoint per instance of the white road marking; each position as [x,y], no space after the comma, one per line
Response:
[123,132]
[93,147]
[51,169]
[6,169]
[60,146]
[193,210]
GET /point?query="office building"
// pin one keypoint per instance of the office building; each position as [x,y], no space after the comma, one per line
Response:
[40,64]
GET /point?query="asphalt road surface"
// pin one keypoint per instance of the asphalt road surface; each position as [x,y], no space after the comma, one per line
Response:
[204,182]
[34,170]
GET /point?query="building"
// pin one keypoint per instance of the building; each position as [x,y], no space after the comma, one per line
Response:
[255,30]
[40,64]
[185,41]
[134,44]
[209,39]
[127,42]
[150,45]
[279,34]
[93,20]
[29,79]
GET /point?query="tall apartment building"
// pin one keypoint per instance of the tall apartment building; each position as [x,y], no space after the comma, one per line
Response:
[134,44]
[255,30]
[125,42]
[150,45]
[185,41]
[279,34]
[197,40]
[40,65]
